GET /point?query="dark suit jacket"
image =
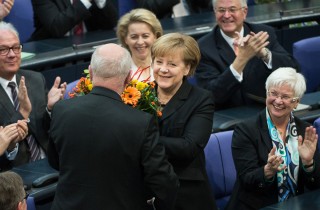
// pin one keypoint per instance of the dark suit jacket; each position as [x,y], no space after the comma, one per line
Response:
[39,119]
[161,8]
[54,18]
[106,152]
[251,145]
[185,128]
[213,72]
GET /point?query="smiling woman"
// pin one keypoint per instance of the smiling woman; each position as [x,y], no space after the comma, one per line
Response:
[186,121]
[275,153]
[137,31]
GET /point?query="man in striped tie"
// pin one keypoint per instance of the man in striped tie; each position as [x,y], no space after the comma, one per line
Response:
[24,97]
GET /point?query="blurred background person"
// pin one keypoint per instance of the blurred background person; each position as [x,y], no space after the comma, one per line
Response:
[58,18]
[5,8]
[187,117]
[11,134]
[236,73]
[275,153]
[12,193]
[137,31]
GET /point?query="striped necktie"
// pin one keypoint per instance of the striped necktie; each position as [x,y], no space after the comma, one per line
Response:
[33,146]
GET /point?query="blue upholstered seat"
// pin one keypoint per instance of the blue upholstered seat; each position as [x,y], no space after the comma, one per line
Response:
[30,203]
[307,53]
[126,6]
[69,88]
[21,16]
[220,167]
[316,124]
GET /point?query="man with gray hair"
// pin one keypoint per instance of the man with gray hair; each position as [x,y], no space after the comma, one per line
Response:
[107,152]
[237,57]
[24,96]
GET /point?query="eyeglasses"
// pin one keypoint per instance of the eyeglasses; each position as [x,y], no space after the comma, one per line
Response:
[5,50]
[26,196]
[231,10]
[284,98]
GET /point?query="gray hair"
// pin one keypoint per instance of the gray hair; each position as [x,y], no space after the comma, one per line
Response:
[108,67]
[242,2]
[9,27]
[11,190]
[287,76]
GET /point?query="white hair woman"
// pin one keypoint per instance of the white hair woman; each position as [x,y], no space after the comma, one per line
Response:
[275,153]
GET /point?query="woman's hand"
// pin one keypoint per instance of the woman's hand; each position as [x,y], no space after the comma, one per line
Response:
[273,164]
[308,145]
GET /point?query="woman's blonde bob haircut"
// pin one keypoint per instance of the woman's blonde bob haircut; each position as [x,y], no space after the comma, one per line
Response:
[173,44]
[138,16]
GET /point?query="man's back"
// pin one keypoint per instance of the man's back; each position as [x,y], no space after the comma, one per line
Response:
[106,152]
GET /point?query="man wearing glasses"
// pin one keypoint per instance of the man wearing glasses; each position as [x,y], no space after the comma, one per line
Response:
[237,56]
[12,193]
[23,97]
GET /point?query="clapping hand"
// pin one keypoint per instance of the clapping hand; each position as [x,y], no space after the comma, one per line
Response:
[24,101]
[56,93]
[308,145]
[274,164]
[11,134]
[5,7]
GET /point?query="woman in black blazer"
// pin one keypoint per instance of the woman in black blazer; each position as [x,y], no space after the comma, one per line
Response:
[187,117]
[275,153]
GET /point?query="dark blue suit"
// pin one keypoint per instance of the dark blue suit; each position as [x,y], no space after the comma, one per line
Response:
[214,74]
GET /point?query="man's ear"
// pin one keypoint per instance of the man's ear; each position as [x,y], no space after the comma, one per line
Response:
[90,73]
[128,78]
[22,205]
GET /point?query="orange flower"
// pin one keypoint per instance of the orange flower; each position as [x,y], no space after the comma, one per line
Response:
[131,96]
[159,113]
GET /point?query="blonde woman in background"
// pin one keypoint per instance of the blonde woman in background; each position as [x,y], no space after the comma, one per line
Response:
[137,31]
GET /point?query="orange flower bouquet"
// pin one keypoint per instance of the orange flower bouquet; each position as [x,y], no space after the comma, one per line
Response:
[140,95]
[83,87]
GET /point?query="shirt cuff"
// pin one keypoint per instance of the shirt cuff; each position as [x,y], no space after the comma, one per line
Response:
[236,74]
[12,154]
[86,3]
[48,111]
[269,64]
[101,3]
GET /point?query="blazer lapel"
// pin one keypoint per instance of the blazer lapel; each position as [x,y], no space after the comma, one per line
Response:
[225,51]
[177,100]
[264,131]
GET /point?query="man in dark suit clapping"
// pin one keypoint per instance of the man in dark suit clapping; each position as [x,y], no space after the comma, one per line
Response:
[23,96]
[107,152]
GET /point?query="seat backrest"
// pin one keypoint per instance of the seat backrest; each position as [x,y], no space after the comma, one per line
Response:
[126,6]
[225,140]
[214,167]
[307,53]
[30,203]
[69,88]
[21,17]
[192,80]
[220,167]
[316,124]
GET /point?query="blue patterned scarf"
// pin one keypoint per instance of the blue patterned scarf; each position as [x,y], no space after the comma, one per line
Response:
[288,178]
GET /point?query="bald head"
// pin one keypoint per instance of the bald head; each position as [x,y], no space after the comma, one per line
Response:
[111,61]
